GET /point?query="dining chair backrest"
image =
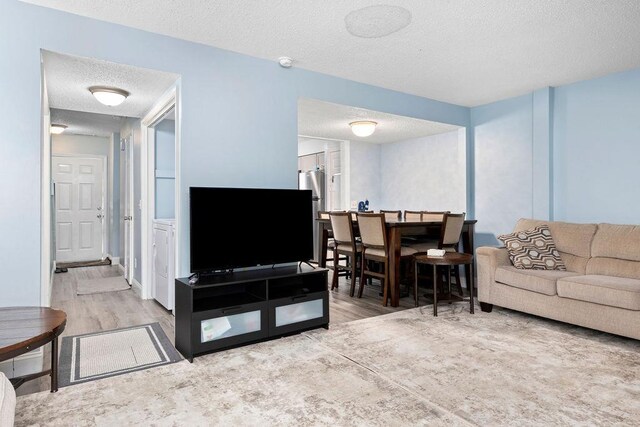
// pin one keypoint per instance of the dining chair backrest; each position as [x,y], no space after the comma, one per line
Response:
[372,230]
[413,215]
[391,215]
[451,229]
[430,216]
[354,214]
[323,215]
[342,227]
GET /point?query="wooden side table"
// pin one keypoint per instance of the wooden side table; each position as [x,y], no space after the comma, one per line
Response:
[23,329]
[449,260]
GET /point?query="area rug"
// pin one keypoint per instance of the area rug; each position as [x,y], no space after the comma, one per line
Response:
[103,284]
[400,369]
[105,354]
[106,261]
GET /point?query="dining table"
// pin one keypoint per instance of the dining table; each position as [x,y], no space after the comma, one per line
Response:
[396,230]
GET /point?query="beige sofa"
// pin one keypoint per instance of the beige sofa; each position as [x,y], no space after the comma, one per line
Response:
[7,402]
[599,290]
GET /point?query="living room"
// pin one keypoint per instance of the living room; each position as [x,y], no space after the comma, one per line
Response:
[549,95]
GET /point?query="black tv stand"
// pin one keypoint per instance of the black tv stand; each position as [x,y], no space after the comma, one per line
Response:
[238,308]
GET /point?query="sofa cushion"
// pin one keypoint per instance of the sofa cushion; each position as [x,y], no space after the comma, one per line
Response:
[533,249]
[614,267]
[606,290]
[7,402]
[540,281]
[617,241]
[572,240]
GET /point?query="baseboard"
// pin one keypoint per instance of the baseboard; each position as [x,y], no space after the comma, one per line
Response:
[115,260]
[137,287]
[25,364]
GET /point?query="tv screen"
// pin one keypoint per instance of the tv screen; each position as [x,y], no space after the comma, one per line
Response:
[244,227]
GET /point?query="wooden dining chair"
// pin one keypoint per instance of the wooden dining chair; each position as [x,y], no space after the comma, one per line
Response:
[391,215]
[345,244]
[450,234]
[413,215]
[331,243]
[376,251]
[433,216]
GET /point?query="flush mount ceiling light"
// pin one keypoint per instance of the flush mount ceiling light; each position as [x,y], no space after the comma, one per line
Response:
[363,128]
[377,21]
[109,96]
[285,62]
[57,129]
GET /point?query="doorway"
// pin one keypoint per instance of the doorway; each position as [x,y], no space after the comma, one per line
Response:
[79,208]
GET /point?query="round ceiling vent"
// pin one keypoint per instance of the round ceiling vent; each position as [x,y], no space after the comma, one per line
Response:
[377,21]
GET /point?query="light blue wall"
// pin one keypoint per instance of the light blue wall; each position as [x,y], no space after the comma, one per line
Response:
[503,166]
[239,118]
[165,169]
[597,150]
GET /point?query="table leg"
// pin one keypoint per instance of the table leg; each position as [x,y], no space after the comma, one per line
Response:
[472,292]
[394,264]
[435,292]
[54,365]
[468,243]
[323,234]
[415,283]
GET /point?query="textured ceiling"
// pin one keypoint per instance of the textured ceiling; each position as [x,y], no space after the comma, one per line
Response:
[68,79]
[466,52]
[81,123]
[325,120]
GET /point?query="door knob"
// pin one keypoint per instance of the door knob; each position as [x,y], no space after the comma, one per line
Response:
[99,208]
[100,216]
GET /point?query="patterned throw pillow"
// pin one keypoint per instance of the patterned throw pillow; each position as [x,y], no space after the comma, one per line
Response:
[533,249]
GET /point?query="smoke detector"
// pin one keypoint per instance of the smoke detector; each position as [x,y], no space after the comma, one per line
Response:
[285,62]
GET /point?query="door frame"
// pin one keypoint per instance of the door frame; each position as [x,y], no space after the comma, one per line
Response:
[129,189]
[171,99]
[105,197]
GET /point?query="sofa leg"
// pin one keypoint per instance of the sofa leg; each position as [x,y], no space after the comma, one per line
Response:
[486,307]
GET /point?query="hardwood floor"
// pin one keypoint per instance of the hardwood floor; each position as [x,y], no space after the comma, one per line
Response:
[113,310]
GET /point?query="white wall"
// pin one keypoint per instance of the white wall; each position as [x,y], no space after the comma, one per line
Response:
[426,173]
[364,172]
[308,146]
[81,144]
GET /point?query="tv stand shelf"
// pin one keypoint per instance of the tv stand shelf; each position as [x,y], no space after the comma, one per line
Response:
[224,311]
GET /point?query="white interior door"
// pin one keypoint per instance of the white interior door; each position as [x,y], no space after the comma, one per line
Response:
[79,205]
[127,221]
[161,265]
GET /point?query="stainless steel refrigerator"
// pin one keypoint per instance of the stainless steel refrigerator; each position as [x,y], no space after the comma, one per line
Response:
[314,181]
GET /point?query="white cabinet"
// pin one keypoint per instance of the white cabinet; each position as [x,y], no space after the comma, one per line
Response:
[163,262]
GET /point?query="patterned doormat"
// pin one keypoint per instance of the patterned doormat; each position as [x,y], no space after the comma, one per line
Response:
[108,353]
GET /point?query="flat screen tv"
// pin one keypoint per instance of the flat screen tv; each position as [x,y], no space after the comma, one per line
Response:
[244,227]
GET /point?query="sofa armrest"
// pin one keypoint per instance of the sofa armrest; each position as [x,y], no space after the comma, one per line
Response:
[488,260]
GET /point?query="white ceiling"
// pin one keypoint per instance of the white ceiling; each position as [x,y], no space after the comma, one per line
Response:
[467,52]
[68,79]
[81,123]
[325,120]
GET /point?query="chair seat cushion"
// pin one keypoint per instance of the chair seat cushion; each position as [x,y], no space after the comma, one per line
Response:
[404,251]
[346,248]
[540,281]
[619,292]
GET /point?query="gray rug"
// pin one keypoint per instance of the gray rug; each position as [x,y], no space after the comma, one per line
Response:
[103,284]
[105,354]
[405,368]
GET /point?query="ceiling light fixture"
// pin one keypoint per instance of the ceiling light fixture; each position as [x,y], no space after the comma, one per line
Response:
[109,96]
[285,62]
[57,129]
[363,128]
